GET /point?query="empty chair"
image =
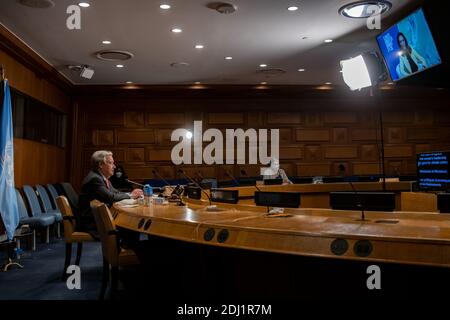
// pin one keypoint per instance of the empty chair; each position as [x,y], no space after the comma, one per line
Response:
[71,195]
[113,254]
[71,236]
[48,208]
[54,194]
[35,207]
[34,222]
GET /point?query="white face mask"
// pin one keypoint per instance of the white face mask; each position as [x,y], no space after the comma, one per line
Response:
[118,174]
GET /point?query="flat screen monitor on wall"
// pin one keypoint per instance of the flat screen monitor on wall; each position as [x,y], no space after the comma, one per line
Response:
[408,47]
[433,171]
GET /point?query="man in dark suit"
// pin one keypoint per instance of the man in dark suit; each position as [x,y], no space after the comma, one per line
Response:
[96,186]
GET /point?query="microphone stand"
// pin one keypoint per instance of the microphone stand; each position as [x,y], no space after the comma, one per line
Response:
[374,95]
[243,172]
[156,173]
[133,182]
[196,184]
[359,204]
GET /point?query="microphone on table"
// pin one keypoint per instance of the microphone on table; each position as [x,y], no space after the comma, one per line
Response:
[156,173]
[358,198]
[133,182]
[180,171]
[174,192]
[232,177]
[244,173]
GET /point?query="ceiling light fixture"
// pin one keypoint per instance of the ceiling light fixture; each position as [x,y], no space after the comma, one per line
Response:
[129,82]
[364,9]
[165,6]
[199,46]
[292,8]
[176,30]
[263,65]
[84,4]
[119,65]
[328,40]
[328,83]
[228,58]
[106,42]
[264,82]
[301,70]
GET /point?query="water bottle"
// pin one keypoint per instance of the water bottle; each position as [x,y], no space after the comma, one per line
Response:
[148,192]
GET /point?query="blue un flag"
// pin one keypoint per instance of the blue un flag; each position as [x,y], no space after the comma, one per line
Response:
[8,200]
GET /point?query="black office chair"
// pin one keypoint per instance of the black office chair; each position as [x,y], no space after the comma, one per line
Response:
[71,195]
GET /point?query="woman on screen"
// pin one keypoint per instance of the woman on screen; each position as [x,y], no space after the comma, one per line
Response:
[410,60]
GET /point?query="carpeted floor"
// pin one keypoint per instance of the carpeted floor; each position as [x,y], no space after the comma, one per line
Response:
[40,279]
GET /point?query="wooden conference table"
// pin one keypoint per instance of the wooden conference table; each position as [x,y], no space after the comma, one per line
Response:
[418,238]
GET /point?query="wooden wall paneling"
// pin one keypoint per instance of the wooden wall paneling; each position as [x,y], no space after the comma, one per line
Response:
[198,171]
[135,155]
[163,137]
[336,171]
[369,152]
[364,135]
[423,118]
[423,134]
[313,169]
[134,119]
[226,118]
[135,137]
[158,154]
[395,167]
[102,137]
[255,119]
[100,120]
[366,168]
[173,119]
[291,152]
[341,152]
[404,117]
[339,117]
[313,153]
[284,118]
[395,135]
[340,135]
[251,170]
[38,163]
[393,151]
[304,135]
[313,119]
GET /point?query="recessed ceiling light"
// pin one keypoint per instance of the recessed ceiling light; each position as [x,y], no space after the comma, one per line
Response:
[106,42]
[199,46]
[292,8]
[84,4]
[165,6]
[263,65]
[264,82]
[301,70]
[365,9]
[328,40]
[129,82]
[119,65]
[328,83]
[176,30]
[228,58]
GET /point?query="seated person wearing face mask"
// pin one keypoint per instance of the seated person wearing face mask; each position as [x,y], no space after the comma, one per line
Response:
[119,180]
[96,185]
[275,172]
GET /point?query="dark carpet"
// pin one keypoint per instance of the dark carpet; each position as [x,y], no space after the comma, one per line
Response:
[40,279]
